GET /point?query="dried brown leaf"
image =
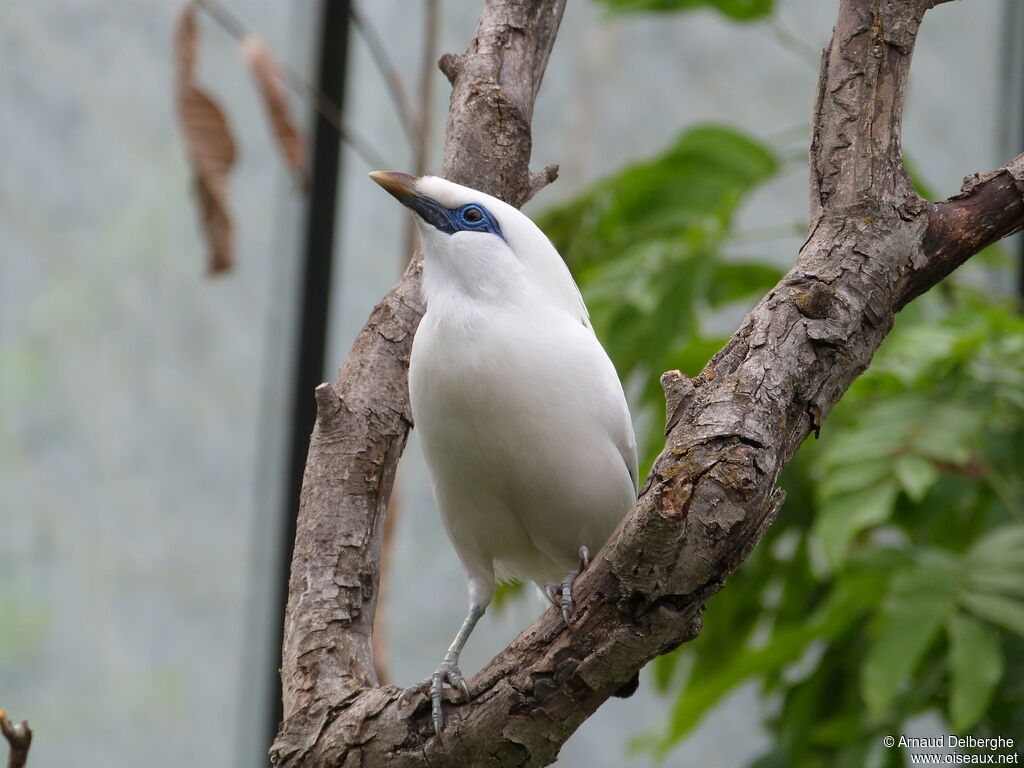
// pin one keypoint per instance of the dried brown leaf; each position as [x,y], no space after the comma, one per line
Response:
[212,152]
[210,146]
[267,72]
[208,138]
[217,224]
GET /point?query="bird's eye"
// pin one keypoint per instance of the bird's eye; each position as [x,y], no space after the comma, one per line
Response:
[472,215]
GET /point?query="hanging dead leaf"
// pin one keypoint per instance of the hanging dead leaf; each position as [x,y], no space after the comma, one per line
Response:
[216,220]
[267,73]
[212,152]
[208,138]
[210,146]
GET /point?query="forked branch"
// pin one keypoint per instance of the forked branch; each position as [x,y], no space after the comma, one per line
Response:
[873,246]
[363,418]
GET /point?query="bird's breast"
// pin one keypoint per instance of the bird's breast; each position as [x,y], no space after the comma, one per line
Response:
[513,410]
[510,391]
[459,373]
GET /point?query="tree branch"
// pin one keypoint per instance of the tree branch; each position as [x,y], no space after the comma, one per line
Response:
[988,208]
[363,418]
[855,139]
[19,738]
[712,493]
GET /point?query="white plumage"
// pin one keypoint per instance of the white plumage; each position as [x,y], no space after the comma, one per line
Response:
[521,414]
[523,420]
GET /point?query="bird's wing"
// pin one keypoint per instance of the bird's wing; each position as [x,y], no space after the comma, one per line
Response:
[553,276]
[629,454]
[625,441]
[558,280]
[571,295]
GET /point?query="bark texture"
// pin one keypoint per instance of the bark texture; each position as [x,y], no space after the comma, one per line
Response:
[363,417]
[873,246]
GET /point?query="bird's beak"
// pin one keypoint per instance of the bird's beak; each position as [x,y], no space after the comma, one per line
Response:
[402,186]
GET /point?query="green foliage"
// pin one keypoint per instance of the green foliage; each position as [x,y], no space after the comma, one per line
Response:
[975,667]
[920,599]
[645,245]
[738,10]
[903,529]
[893,581]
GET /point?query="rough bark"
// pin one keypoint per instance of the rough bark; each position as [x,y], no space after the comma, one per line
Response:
[363,417]
[873,246]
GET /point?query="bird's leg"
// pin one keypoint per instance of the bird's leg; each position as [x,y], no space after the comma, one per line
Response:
[447,672]
[560,595]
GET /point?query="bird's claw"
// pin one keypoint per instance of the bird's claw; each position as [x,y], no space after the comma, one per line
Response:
[584,558]
[447,672]
[560,595]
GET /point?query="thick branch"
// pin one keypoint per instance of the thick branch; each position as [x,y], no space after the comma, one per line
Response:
[988,208]
[363,418]
[712,492]
[855,142]
[495,84]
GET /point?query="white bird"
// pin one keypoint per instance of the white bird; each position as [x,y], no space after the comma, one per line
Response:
[523,421]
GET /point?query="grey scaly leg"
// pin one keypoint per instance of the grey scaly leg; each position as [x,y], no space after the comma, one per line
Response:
[447,672]
[560,595]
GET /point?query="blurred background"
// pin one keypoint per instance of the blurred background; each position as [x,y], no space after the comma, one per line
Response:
[152,415]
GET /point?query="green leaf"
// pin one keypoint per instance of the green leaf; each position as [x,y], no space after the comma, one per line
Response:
[948,434]
[990,580]
[664,668]
[843,517]
[646,247]
[1003,545]
[882,431]
[842,608]
[853,477]
[975,667]
[739,10]
[915,475]
[1003,611]
[919,600]
[913,354]
[734,280]
[996,562]
[687,194]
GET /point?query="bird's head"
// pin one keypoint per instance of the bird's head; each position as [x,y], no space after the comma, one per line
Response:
[478,246]
[471,241]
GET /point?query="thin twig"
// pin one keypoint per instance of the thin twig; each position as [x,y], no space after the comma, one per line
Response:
[19,736]
[294,80]
[379,54]
[421,143]
[427,77]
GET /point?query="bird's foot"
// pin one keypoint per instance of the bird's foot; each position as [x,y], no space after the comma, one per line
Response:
[560,595]
[447,672]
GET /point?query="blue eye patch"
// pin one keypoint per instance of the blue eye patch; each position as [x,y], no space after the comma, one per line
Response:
[472,217]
